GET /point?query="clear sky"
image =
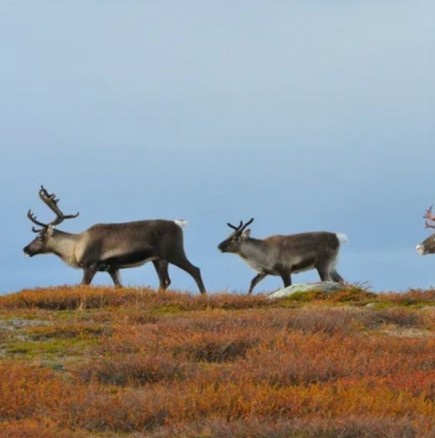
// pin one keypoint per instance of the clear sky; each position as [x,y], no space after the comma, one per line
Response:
[306,115]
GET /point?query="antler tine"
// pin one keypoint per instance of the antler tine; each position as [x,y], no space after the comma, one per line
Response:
[428,214]
[429,217]
[241,226]
[51,202]
[234,227]
[32,217]
[247,223]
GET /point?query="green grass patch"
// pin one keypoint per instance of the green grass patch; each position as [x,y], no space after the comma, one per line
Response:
[79,333]
[49,348]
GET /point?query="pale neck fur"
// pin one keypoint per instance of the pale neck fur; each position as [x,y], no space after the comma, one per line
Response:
[63,245]
[254,249]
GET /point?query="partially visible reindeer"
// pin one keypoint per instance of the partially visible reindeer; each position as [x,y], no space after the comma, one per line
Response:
[111,247]
[285,255]
[428,245]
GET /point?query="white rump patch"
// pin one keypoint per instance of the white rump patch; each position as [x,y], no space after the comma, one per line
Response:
[342,238]
[181,223]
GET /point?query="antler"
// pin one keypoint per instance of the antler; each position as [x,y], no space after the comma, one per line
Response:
[429,217]
[234,227]
[241,226]
[32,217]
[51,202]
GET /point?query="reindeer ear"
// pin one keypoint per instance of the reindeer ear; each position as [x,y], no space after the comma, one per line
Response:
[246,233]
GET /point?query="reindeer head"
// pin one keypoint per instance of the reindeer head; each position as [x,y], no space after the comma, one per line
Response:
[428,245]
[233,242]
[40,244]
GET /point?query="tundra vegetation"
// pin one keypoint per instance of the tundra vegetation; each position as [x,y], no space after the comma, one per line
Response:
[102,362]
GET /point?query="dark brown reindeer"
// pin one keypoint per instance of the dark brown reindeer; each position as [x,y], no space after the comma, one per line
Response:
[285,255]
[428,245]
[111,247]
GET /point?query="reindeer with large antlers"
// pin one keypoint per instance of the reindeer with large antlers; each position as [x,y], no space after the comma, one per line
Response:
[286,255]
[111,247]
[428,245]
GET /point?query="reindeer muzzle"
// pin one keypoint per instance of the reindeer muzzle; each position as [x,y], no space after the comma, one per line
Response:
[221,247]
[420,250]
[27,251]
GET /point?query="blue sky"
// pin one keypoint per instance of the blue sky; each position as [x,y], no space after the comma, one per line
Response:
[306,115]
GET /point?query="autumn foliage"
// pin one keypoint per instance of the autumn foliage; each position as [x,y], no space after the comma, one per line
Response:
[95,361]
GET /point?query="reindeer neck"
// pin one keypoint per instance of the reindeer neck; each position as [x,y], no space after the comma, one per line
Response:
[252,248]
[63,245]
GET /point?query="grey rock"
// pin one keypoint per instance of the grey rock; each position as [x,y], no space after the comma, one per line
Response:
[323,286]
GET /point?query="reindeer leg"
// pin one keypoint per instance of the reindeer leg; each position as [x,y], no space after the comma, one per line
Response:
[284,273]
[286,278]
[336,277]
[114,274]
[329,274]
[89,273]
[161,267]
[256,280]
[185,265]
[323,273]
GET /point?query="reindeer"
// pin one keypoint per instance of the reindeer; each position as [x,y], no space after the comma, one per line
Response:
[428,245]
[111,247]
[285,255]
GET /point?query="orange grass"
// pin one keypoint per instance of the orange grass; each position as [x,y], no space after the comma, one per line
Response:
[140,363]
